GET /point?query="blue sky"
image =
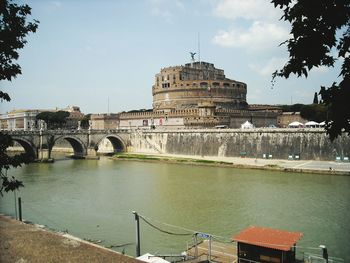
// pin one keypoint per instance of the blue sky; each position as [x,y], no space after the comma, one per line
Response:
[88,52]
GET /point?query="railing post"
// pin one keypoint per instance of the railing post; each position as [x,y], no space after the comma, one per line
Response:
[137,219]
[196,245]
[20,208]
[209,248]
[15,204]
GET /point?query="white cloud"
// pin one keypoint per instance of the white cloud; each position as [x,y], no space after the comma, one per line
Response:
[261,10]
[166,8]
[268,68]
[276,63]
[259,36]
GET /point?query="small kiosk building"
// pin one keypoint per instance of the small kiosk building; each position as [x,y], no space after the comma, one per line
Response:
[259,244]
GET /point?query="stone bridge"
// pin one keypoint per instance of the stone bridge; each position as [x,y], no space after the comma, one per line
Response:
[85,143]
[306,144]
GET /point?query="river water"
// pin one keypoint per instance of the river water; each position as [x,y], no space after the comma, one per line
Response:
[94,199]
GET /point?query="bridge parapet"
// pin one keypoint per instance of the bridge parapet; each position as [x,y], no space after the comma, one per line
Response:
[65,132]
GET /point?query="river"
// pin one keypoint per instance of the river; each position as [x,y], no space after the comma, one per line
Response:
[94,199]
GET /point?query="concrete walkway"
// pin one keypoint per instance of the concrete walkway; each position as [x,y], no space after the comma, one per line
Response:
[309,166]
[24,243]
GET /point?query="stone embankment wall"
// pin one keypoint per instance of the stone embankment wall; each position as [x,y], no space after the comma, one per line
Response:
[309,144]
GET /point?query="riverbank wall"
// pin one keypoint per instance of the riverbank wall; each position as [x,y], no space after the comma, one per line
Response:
[305,144]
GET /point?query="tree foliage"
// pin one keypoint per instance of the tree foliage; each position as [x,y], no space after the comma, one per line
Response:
[6,162]
[13,30]
[314,42]
[53,119]
[311,112]
[85,121]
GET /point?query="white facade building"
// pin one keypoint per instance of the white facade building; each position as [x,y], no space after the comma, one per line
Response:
[24,120]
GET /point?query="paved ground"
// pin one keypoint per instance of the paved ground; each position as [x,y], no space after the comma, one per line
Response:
[25,243]
[329,167]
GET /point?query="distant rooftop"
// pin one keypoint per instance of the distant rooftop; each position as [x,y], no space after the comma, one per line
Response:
[268,237]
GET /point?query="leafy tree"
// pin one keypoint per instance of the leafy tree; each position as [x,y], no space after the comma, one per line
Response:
[315,98]
[13,30]
[60,118]
[85,121]
[314,112]
[53,119]
[292,108]
[46,116]
[315,27]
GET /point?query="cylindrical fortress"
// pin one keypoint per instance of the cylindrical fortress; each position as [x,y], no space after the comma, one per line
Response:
[184,87]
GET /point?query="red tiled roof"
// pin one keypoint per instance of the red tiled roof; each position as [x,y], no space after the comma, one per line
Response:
[268,237]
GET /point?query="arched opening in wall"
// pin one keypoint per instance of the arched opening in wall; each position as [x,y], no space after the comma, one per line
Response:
[21,146]
[110,145]
[67,147]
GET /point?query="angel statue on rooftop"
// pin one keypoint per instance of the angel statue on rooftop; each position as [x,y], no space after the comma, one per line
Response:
[192,55]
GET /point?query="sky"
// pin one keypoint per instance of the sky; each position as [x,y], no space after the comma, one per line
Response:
[102,55]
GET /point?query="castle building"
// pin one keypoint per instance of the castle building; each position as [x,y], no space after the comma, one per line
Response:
[194,84]
[198,95]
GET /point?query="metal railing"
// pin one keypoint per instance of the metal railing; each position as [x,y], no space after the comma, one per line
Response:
[314,258]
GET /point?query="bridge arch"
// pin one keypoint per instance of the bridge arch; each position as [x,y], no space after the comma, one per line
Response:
[28,147]
[78,146]
[117,142]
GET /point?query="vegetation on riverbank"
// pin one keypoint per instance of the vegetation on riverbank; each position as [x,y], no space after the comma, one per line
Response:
[179,160]
[144,157]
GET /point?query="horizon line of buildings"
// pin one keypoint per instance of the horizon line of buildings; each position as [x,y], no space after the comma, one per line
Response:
[25,119]
[194,95]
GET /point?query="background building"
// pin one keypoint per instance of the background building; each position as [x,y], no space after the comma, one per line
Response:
[198,95]
[26,119]
[19,120]
[104,121]
[75,115]
[285,118]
